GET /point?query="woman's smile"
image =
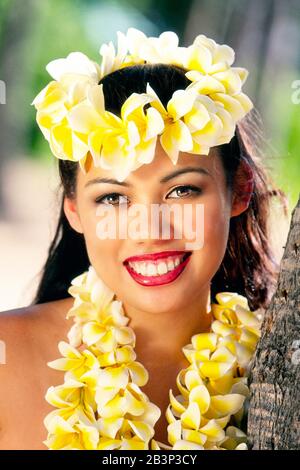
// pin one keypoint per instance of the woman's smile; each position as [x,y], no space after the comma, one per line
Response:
[163,268]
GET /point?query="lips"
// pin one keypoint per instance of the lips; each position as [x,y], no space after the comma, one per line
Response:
[155,256]
[157,280]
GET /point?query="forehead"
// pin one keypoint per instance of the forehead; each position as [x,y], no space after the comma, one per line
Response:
[160,166]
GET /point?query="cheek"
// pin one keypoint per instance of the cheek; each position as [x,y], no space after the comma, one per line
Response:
[215,236]
[216,228]
[102,248]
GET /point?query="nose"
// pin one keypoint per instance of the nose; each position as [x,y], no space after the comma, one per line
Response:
[155,226]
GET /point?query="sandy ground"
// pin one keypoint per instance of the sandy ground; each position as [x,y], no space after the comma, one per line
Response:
[25,233]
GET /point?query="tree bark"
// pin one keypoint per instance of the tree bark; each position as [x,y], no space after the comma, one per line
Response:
[274,410]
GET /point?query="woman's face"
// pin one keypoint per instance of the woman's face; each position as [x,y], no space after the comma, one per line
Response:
[181,286]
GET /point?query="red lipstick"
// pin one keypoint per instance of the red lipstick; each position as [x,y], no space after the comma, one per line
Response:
[155,256]
[161,279]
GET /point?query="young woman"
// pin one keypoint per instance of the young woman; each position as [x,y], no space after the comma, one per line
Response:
[162,286]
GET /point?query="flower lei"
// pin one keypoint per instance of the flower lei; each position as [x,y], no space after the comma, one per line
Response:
[72,116]
[100,405]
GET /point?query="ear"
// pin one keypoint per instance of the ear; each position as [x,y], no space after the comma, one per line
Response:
[70,209]
[243,189]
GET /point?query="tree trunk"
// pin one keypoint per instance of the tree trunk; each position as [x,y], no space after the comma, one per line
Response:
[274,411]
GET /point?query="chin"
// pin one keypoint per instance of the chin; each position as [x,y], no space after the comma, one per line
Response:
[158,301]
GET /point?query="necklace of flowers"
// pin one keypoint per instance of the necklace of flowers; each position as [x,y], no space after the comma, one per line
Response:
[100,405]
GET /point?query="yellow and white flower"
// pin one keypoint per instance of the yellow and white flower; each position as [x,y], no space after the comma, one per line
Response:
[117,143]
[101,405]
[212,390]
[73,76]
[72,116]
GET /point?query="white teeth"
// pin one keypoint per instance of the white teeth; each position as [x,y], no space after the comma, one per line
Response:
[162,268]
[143,269]
[158,268]
[170,264]
[151,270]
[137,268]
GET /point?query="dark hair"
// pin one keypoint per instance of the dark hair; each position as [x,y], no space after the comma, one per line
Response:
[248,267]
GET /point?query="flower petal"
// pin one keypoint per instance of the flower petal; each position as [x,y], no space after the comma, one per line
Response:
[181,103]
[109,427]
[75,63]
[138,373]
[224,405]
[200,395]
[176,137]
[192,416]
[154,124]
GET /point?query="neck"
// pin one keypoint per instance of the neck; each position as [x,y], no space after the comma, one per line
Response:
[160,337]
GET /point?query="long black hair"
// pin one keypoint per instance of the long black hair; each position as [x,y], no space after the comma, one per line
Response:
[248,266]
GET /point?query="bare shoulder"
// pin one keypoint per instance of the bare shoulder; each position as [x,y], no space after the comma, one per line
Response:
[13,322]
[21,323]
[28,341]
[31,333]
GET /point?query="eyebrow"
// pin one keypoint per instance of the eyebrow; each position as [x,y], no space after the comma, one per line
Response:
[187,169]
[165,179]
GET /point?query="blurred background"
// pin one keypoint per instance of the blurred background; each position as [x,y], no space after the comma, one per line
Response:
[265,35]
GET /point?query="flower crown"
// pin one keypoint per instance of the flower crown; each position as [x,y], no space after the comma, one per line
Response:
[72,116]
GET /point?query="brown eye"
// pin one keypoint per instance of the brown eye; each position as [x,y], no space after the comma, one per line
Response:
[112,199]
[186,190]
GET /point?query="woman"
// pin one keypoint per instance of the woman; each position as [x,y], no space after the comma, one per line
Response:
[164,286]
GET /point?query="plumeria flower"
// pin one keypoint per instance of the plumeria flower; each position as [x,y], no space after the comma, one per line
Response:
[73,76]
[73,394]
[89,286]
[112,60]
[101,405]
[193,123]
[176,135]
[236,439]
[112,430]
[94,301]
[230,109]
[237,325]
[78,362]
[195,427]
[206,61]
[98,320]
[206,58]
[117,143]
[52,106]
[75,433]
[194,432]
[211,360]
[119,377]
[75,335]
[76,64]
[151,49]
[121,398]
[202,410]
[140,430]
[215,124]
[150,124]
[72,116]
[95,314]
[106,337]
